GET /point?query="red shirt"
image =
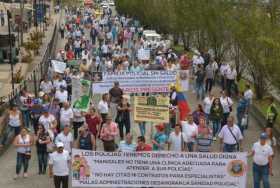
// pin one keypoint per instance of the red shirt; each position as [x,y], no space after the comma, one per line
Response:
[70,55]
[146,147]
[92,123]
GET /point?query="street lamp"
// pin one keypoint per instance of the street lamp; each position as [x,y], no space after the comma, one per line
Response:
[9,16]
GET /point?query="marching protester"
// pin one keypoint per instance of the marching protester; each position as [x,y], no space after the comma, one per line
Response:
[108,134]
[271,113]
[127,145]
[230,137]
[23,143]
[142,146]
[190,129]
[42,140]
[59,166]
[14,119]
[123,115]
[159,139]
[86,139]
[262,161]
[177,140]
[115,95]
[216,116]
[66,138]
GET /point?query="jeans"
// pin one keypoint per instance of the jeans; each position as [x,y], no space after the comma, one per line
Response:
[167,129]
[21,161]
[209,84]
[123,124]
[77,53]
[60,180]
[43,161]
[26,117]
[142,127]
[229,148]
[229,84]
[216,126]
[190,146]
[239,122]
[199,91]
[261,173]
[8,132]
[225,117]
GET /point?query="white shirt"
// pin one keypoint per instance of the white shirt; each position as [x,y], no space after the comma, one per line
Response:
[198,60]
[57,84]
[228,137]
[261,153]
[78,117]
[66,115]
[46,87]
[46,121]
[231,74]
[60,162]
[224,68]
[124,147]
[176,141]
[190,130]
[207,104]
[103,107]
[61,96]
[248,94]
[65,139]
[226,103]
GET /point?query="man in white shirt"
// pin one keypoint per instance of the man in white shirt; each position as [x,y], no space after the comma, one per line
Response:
[262,161]
[190,130]
[230,137]
[66,115]
[177,140]
[61,95]
[59,163]
[66,138]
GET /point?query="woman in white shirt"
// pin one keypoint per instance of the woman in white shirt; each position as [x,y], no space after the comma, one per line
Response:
[103,106]
[66,115]
[207,103]
[227,103]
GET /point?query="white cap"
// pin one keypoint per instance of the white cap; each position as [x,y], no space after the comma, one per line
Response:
[59,144]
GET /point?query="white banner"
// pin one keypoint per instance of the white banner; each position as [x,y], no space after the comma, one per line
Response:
[58,66]
[136,82]
[158,169]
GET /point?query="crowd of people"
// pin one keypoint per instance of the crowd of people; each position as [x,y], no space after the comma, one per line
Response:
[110,43]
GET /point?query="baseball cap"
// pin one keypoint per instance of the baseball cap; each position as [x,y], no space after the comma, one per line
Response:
[59,145]
[263,136]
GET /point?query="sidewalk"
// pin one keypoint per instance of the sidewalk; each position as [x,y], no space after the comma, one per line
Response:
[27,68]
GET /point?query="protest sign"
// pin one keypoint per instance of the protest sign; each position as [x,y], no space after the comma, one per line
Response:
[58,66]
[158,169]
[143,54]
[80,94]
[136,82]
[151,109]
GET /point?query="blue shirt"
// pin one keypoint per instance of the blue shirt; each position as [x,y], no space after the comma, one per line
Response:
[161,139]
[125,147]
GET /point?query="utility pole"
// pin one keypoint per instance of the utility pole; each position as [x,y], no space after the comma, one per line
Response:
[9,16]
[21,20]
